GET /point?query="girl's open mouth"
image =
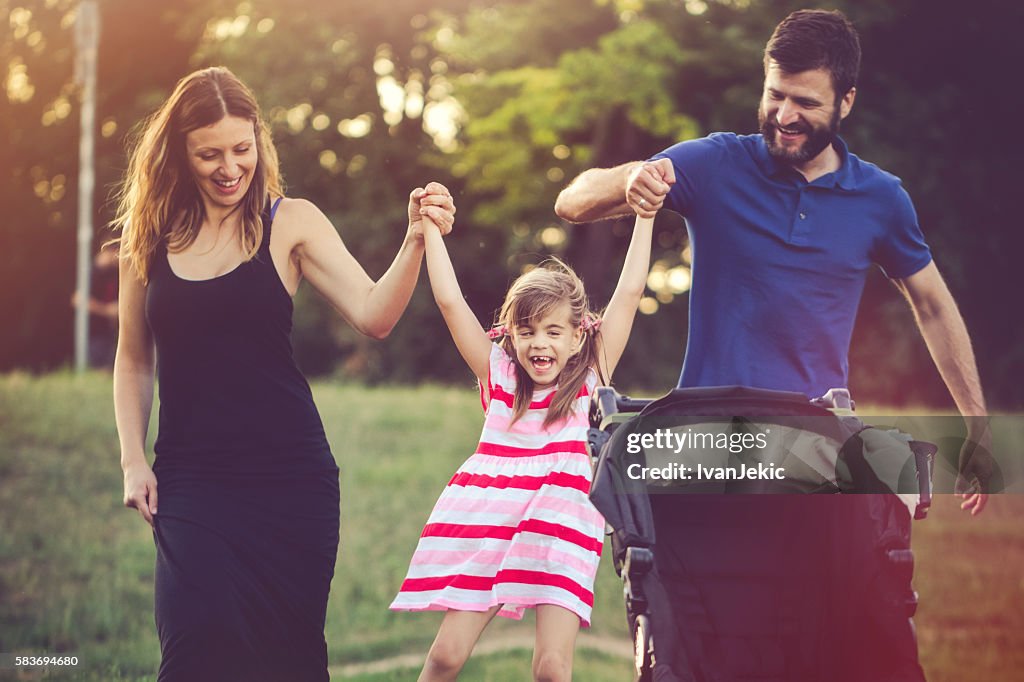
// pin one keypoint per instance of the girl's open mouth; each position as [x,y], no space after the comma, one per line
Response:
[541,363]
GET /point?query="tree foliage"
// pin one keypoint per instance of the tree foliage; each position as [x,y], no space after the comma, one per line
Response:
[506,101]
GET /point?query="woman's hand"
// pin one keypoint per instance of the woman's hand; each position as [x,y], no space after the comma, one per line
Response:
[140,489]
[435,202]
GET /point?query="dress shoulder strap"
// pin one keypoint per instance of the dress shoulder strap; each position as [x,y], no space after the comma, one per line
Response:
[269,212]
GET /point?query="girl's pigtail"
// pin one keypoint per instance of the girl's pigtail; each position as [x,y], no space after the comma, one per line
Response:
[589,349]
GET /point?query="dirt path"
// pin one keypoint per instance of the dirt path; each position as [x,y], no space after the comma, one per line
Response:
[612,646]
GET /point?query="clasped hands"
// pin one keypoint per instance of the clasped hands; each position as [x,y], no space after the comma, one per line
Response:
[433,202]
[647,186]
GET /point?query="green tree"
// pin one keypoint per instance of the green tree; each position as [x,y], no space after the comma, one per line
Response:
[601,95]
[505,101]
[39,151]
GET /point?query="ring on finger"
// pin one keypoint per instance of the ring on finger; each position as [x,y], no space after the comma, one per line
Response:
[642,203]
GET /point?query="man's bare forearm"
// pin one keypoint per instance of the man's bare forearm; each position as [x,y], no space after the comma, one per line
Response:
[596,194]
[946,336]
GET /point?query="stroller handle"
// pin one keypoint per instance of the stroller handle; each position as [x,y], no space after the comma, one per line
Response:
[609,409]
[607,402]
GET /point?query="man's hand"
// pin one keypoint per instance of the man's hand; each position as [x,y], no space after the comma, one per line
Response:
[975,470]
[648,185]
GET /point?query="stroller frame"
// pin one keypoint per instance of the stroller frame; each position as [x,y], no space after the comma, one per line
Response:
[633,546]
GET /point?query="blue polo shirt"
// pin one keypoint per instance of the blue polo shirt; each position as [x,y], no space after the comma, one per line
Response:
[779,264]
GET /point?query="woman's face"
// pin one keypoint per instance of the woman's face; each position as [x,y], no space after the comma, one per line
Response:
[222,158]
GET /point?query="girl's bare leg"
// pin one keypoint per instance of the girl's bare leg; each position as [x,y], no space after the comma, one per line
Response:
[556,639]
[454,643]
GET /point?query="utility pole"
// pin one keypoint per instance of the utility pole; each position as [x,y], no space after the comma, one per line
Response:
[87,30]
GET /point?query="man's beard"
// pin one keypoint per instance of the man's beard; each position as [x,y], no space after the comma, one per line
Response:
[817,138]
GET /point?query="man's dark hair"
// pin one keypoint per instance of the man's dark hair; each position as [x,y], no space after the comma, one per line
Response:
[817,39]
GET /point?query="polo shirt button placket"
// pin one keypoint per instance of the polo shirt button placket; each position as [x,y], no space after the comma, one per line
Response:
[801,226]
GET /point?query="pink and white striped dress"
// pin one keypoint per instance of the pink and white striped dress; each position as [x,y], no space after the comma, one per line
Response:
[514,526]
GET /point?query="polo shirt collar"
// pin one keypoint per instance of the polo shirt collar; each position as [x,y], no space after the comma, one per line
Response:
[844,177]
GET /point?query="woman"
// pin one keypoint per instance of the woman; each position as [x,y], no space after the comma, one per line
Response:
[211,256]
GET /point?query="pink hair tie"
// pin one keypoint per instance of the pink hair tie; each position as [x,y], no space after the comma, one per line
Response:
[590,324]
[497,332]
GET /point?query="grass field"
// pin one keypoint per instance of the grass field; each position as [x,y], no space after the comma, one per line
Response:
[76,567]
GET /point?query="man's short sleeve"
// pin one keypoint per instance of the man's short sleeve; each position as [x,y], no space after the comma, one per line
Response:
[694,161]
[902,251]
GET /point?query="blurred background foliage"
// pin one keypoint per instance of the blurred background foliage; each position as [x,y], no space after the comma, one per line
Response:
[505,102]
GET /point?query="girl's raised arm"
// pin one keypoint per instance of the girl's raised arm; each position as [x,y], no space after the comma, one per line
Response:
[470,338]
[618,316]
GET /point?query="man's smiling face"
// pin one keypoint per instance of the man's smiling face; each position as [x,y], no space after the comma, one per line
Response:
[799,115]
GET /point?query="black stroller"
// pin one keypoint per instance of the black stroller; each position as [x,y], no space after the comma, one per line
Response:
[768,587]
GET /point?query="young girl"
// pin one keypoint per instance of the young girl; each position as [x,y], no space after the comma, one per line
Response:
[514,528]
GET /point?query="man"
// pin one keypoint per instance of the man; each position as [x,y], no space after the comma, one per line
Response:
[784,227]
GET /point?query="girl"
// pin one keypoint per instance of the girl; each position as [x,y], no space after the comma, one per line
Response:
[514,528]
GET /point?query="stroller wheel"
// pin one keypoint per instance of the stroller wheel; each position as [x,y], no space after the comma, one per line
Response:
[642,649]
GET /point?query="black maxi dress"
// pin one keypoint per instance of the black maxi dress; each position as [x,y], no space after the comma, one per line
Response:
[248,501]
